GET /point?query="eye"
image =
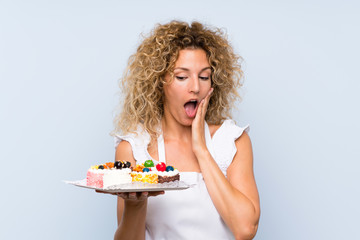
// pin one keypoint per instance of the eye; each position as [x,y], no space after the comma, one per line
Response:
[204,78]
[180,78]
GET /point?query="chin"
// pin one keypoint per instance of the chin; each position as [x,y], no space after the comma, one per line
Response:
[187,122]
[182,119]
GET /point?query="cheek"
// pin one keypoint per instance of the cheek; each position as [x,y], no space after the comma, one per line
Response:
[171,94]
[205,87]
[175,90]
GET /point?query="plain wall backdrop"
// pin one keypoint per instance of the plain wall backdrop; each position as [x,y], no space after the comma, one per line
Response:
[60,62]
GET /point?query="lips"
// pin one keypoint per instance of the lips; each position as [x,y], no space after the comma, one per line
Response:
[191,108]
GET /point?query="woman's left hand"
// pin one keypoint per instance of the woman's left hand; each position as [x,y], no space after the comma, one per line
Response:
[198,126]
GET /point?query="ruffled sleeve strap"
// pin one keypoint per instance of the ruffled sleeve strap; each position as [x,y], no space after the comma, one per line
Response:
[224,143]
[139,142]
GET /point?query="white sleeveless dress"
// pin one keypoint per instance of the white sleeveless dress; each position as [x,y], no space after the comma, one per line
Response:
[190,213]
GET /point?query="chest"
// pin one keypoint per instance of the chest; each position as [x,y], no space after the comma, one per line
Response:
[178,154]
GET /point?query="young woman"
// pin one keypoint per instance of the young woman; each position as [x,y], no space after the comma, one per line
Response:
[179,88]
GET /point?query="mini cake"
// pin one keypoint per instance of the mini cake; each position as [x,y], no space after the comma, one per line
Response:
[109,174]
[140,175]
[145,177]
[167,173]
[148,172]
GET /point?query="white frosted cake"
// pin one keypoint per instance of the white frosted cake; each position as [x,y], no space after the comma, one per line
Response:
[106,175]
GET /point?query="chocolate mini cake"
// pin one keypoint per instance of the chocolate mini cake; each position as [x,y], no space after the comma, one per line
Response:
[163,179]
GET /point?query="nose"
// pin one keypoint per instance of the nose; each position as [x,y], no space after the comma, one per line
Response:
[194,85]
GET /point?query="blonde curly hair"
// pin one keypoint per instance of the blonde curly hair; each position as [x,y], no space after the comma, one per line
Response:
[144,78]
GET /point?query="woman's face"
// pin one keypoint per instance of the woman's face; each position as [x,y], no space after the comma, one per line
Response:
[191,83]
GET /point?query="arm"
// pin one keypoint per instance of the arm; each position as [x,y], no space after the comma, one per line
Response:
[131,209]
[236,197]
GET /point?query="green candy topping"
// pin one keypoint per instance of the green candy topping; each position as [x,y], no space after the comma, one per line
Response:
[149,163]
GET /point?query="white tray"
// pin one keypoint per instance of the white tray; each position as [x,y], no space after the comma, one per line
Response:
[134,187]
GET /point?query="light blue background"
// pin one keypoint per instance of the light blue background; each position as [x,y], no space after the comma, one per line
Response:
[60,62]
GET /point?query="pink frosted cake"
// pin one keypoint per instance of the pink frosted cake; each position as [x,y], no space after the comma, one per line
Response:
[109,174]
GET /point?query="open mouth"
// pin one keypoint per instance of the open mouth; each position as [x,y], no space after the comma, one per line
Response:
[191,108]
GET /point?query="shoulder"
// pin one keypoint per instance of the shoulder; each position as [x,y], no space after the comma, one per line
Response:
[123,146]
[132,146]
[243,140]
[228,129]
[244,147]
[140,137]
[124,152]
[242,161]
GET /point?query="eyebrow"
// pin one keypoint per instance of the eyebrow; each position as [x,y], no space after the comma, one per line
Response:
[186,69]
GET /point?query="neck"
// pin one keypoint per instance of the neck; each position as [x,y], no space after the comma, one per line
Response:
[173,130]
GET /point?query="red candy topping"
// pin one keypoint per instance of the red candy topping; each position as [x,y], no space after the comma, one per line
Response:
[161,167]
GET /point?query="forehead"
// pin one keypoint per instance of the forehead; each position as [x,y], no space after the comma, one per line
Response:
[192,58]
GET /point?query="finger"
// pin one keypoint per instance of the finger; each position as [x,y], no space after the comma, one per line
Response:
[132,195]
[122,195]
[200,110]
[208,96]
[203,108]
[204,104]
[207,100]
[153,194]
[143,195]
